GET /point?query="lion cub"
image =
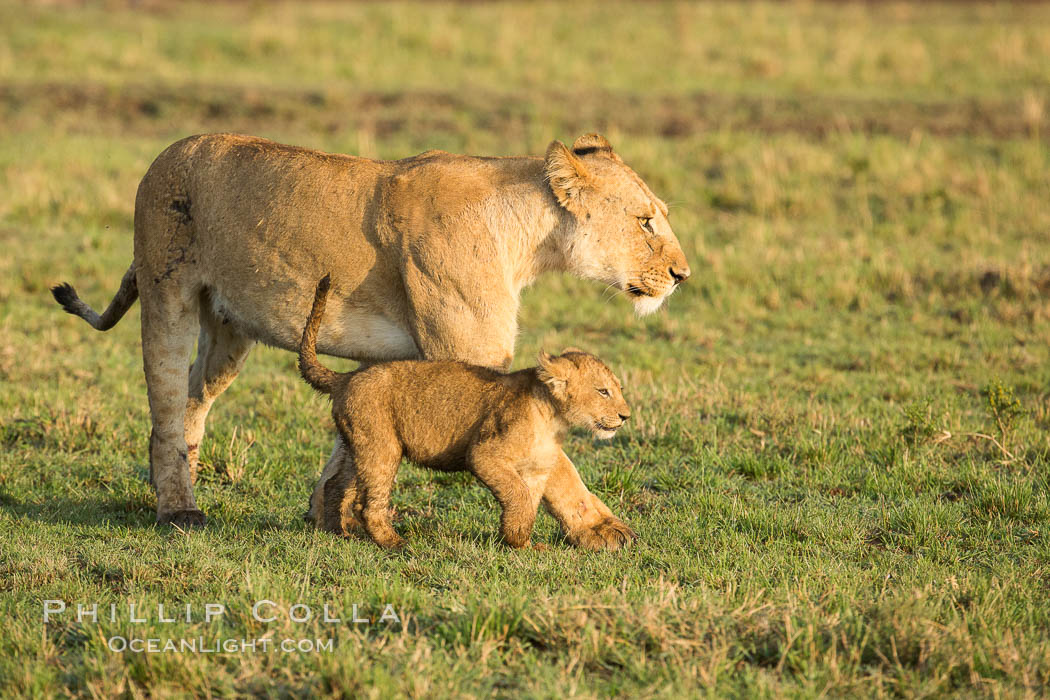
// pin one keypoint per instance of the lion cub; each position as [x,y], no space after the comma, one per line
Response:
[506,429]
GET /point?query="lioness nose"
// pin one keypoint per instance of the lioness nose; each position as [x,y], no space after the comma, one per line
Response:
[680,273]
[625,416]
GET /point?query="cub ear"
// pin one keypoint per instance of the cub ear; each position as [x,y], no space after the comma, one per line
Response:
[551,374]
[568,354]
[567,175]
[592,143]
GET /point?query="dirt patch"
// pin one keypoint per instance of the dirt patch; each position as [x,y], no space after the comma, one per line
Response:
[163,109]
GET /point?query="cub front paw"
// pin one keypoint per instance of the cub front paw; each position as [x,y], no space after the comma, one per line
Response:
[610,533]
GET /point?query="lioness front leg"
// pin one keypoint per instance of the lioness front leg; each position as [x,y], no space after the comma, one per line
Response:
[587,522]
[340,496]
[332,501]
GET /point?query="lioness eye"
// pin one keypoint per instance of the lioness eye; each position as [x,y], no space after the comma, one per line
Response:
[646,223]
[604,392]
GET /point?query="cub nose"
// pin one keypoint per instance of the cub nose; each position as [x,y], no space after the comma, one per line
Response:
[625,416]
[680,273]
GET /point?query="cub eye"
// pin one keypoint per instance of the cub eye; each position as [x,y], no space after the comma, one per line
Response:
[604,392]
[646,223]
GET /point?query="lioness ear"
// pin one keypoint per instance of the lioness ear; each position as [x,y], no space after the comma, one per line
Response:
[549,373]
[567,175]
[573,349]
[592,143]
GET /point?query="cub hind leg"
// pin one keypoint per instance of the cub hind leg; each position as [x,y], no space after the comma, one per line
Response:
[376,455]
[355,488]
[375,484]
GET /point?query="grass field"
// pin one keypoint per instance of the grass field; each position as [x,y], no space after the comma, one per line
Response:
[839,465]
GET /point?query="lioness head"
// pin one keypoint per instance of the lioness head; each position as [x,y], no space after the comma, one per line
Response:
[622,236]
[587,393]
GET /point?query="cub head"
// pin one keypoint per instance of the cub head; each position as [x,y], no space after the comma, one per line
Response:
[587,393]
[622,236]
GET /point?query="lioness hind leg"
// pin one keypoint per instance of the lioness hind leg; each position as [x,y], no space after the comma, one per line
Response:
[221,352]
[169,326]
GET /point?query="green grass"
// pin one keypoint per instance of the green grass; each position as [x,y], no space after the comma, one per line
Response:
[824,499]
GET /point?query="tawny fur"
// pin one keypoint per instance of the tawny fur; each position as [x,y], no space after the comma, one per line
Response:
[506,429]
[429,255]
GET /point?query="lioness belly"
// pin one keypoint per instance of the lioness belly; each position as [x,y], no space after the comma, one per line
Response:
[356,334]
[366,336]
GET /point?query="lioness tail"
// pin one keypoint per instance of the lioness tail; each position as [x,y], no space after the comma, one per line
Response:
[127,294]
[316,375]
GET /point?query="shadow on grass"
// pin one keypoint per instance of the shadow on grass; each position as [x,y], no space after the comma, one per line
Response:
[135,513]
[92,510]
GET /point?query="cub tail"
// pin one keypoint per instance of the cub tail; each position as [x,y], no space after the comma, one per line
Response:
[127,294]
[316,375]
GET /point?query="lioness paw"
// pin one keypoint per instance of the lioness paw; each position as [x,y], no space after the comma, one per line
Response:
[183,519]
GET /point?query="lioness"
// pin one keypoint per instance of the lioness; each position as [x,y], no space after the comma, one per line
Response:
[429,255]
[506,429]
